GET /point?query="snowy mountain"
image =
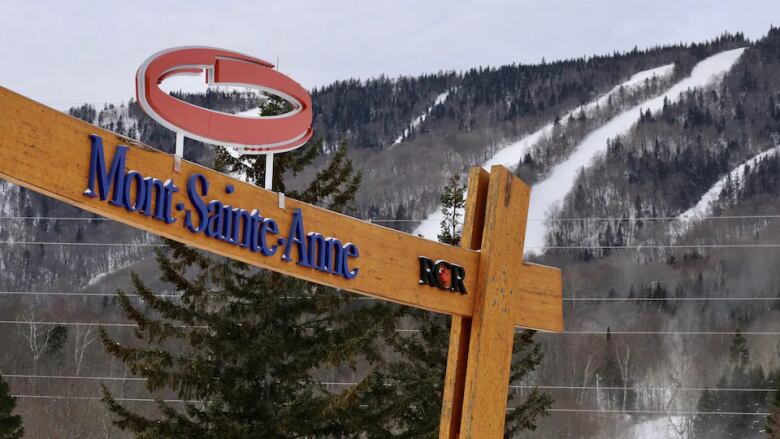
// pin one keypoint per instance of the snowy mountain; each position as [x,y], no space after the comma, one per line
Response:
[619,149]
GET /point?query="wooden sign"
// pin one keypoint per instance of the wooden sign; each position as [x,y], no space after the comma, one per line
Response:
[484,285]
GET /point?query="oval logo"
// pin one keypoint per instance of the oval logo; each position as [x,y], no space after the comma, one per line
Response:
[265,134]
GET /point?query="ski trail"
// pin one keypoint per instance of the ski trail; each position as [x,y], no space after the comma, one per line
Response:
[704,206]
[513,153]
[419,119]
[554,188]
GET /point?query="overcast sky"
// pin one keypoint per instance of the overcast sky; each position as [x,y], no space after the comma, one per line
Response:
[67,52]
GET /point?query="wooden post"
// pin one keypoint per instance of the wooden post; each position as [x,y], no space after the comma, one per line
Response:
[460,328]
[508,292]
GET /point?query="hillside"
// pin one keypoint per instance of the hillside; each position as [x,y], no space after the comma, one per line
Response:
[656,180]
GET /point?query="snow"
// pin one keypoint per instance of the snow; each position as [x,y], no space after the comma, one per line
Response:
[421,118]
[661,428]
[704,206]
[550,192]
[513,153]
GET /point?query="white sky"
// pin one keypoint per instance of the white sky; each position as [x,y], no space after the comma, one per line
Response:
[64,53]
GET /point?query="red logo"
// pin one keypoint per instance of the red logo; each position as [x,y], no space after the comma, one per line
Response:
[271,134]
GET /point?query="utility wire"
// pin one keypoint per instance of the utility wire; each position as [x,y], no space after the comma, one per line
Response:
[347,384]
[133,325]
[84,244]
[554,410]
[565,299]
[655,412]
[541,247]
[385,220]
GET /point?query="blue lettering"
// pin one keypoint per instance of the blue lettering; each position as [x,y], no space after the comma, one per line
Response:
[197,202]
[267,226]
[297,238]
[98,173]
[214,228]
[140,191]
[350,251]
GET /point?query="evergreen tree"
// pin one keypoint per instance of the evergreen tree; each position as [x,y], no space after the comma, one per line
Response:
[10,424]
[242,346]
[452,203]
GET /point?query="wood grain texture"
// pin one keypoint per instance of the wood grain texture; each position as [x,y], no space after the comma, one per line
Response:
[48,152]
[492,328]
[539,298]
[460,327]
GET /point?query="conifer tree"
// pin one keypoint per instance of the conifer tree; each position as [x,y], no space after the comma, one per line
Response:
[241,346]
[10,424]
[452,203]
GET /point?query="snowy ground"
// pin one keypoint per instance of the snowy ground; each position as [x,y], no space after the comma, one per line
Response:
[513,153]
[661,428]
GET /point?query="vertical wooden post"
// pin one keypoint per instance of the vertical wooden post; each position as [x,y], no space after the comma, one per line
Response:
[492,327]
[480,350]
[460,327]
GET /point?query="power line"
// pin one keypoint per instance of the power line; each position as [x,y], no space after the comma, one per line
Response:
[386,220]
[656,412]
[79,294]
[108,325]
[84,244]
[554,410]
[714,333]
[97,398]
[565,299]
[133,325]
[649,246]
[541,247]
[346,384]
[72,377]
[644,389]
[596,218]
[670,299]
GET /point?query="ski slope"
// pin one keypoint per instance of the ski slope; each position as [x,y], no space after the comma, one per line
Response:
[513,153]
[704,206]
[421,118]
[550,192]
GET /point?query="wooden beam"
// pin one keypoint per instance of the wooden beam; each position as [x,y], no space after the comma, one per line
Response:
[48,152]
[460,327]
[492,327]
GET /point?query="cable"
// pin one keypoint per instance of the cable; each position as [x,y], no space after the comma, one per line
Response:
[713,333]
[565,299]
[49,293]
[63,377]
[656,412]
[670,299]
[83,244]
[644,389]
[554,410]
[732,333]
[54,218]
[344,383]
[96,398]
[649,247]
[385,220]
[108,325]
[541,247]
